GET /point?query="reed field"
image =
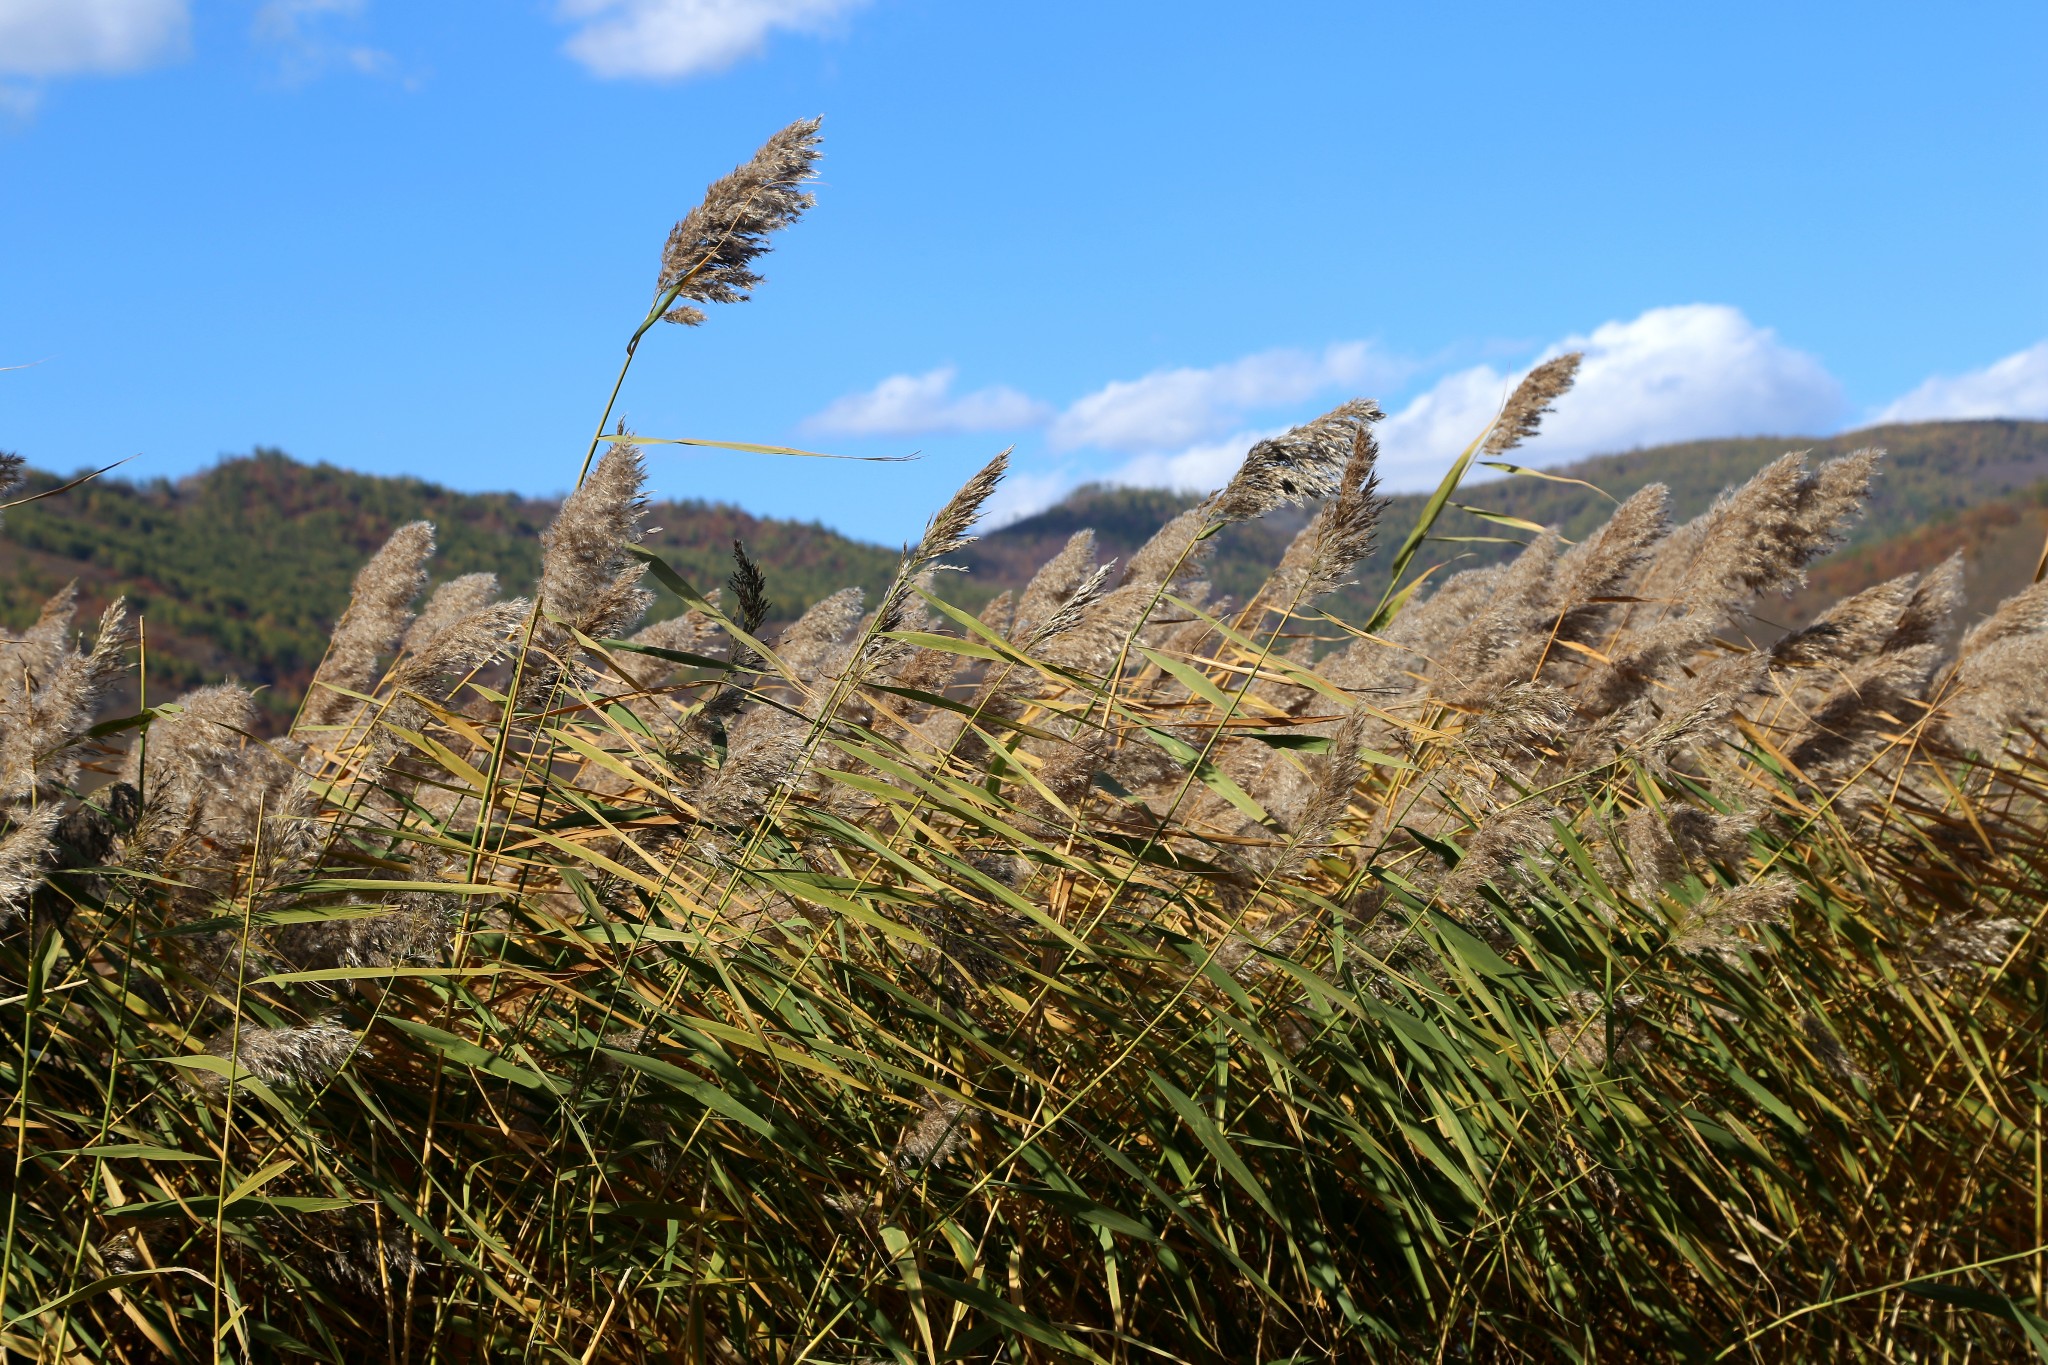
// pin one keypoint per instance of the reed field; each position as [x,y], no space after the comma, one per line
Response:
[1550,964]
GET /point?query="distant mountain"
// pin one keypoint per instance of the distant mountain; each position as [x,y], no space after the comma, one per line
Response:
[1932,472]
[241,570]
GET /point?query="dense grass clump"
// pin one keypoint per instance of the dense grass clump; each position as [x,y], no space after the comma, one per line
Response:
[1535,969]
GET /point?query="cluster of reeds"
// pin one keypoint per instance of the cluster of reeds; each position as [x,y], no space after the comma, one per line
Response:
[1556,965]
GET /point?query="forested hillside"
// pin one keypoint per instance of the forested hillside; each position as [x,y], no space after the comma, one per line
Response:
[241,570]
[1932,473]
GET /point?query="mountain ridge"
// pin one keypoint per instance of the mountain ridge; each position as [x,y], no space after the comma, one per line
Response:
[240,569]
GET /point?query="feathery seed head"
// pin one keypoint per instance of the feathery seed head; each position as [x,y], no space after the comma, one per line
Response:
[24,853]
[813,637]
[1994,689]
[584,548]
[618,607]
[464,644]
[1303,465]
[304,1054]
[1055,581]
[2023,613]
[452,601]
[688,633]
[1710,928]
[43,719]
[1651,852]
[1524,410]
[940,1130]
[749,591]
[1711,838]
[1500,842]
[1598,565]
[709,255]
[46,644]
[376,621]
[1071,612]
[1174,553]
[1760,537]
[1930,611]
[1852,628]
[1343,528]
[1954,946]
[946,532]
[1520,722]
[195,749]
[948,529]
[1333,776]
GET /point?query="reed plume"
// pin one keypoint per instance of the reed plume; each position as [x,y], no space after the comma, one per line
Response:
[583,551]
[709,255]
[299,1054]
[1523,413]
[378,616]
[1303,465]
[808,645]
[450,602]
[1054,583]
[25,854]
[49,696]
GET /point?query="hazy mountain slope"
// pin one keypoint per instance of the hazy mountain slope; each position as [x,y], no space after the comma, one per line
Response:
[241,570]
[2001,543]
[1931,469]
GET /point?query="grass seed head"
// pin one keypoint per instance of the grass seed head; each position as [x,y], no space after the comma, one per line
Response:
[709,255]
[378,615]
[1303,465]
[1523,412]
[450,602]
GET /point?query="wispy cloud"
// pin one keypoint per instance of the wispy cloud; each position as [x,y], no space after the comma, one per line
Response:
[1670,374]
[925,404]
[1022,493]
[301,34]
[1170,410]
[675,39]
[1689,372]
[2016,386]
[42,38]
[1198,468]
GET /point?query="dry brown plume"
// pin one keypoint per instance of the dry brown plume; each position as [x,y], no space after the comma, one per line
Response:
[1523,413]
[370,630]
[709,255]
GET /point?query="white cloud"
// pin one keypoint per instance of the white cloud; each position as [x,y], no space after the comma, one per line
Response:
[1197,469]
[924,404]
[298,30]
[1022,493]
[65,37]
[20,102]
[1170,410]
[1672,374]
[673,39]
[2016,386]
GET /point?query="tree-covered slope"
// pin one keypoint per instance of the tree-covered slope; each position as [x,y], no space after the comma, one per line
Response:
[241,570]
[1932,472]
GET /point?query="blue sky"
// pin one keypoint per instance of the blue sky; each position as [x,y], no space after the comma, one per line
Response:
[1126,238]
